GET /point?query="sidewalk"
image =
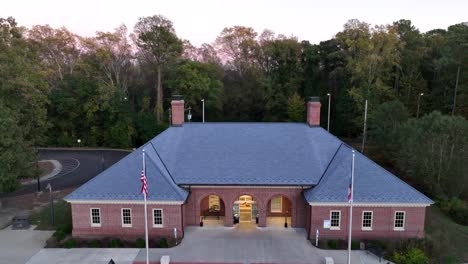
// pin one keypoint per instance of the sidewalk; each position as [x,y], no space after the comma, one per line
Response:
[84,255]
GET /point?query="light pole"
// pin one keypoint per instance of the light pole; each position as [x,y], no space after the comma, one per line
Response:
[419,100]
[364,131]
[203,110]
[329,104]
[189,116]
[79,142]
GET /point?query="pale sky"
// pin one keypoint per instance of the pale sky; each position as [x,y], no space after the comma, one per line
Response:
[201,21]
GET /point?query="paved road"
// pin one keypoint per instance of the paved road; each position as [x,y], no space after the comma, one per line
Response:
[78,167]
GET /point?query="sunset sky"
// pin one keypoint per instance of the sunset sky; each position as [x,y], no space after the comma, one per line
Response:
[201,21]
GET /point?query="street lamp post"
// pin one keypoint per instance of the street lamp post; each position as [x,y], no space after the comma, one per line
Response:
[79,142]
[203,110]
[329,104]
[419,100]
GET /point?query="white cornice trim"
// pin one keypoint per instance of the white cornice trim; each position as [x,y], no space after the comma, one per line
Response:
[372,204]
[245,186]
[122,202]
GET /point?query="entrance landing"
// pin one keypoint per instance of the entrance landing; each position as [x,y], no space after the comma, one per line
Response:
[248,244]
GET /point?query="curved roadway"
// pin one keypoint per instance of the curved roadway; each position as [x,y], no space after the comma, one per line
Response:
[78,167]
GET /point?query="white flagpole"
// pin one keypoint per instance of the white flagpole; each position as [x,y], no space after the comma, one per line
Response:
[350,227]
[146,213]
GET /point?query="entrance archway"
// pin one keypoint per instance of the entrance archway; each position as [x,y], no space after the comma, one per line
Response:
[279,212]
[245,210]
[212,211]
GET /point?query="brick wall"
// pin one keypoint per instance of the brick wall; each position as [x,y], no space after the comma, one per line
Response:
[261,195]
[382,223]
[111,221]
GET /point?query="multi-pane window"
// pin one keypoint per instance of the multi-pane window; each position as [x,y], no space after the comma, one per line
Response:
[335,220]
[157,217]
[126,217]
[276,204]
[399,220]
[367,220]
[95,217]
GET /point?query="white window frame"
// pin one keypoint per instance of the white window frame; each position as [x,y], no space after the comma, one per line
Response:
[339,220]
[91,217]
[276,210]
[122,215]
[402,228]
[162,218]
[367,228]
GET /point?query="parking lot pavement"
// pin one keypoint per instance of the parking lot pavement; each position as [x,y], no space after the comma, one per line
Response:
[84,255]
[18,246]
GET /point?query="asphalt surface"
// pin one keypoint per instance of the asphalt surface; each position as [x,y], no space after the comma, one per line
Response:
[78,167]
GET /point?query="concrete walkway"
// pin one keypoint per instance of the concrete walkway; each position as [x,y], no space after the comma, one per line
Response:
[84,255]
[248,244]
[18,246]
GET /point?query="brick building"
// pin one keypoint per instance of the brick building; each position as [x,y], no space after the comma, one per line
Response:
[269,174]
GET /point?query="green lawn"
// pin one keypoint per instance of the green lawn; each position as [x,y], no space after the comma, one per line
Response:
[43,219]
[450,239]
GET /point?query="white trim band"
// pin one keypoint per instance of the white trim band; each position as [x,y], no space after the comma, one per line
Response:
[371,204]
[245,186]
[123,202]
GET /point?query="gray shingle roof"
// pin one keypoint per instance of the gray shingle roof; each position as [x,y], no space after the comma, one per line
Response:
[372,183]
[247,154]
[122,181]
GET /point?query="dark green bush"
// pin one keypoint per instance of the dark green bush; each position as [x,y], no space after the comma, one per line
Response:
[59,235]
[70,243]
[140,243]
[411,256]
[115,243]
[163,243]
[355,245]
[332,244]
[95,243]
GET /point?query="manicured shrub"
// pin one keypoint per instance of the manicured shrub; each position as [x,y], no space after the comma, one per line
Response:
[332,244]
[355,245]
[115,243]
[70,243]
[95,243]
[59,235]
[411,256]
[140,243]
[163,243]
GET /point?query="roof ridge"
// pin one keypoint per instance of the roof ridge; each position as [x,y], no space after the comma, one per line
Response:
[329,163]
[97,175]
[171,182]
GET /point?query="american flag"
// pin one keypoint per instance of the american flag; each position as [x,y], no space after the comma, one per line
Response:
[144,185]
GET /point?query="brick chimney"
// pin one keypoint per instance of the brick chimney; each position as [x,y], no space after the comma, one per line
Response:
[177,110]
[313,111]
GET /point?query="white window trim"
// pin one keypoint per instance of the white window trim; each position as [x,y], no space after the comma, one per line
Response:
[394,221]
[280,207]
[367,228]
[162,218]
[122,215]
[339,220]
[91,217]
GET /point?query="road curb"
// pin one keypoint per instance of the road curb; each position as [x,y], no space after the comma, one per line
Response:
[57,169]
[86,149]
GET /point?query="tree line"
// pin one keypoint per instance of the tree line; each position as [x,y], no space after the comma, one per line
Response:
[114,89]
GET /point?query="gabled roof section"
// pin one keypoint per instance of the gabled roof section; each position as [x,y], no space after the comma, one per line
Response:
[372,183]
[246,153]
[122,181]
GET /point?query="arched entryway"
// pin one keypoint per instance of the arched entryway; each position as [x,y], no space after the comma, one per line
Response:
[245,210]
[212,211]
[279,212]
